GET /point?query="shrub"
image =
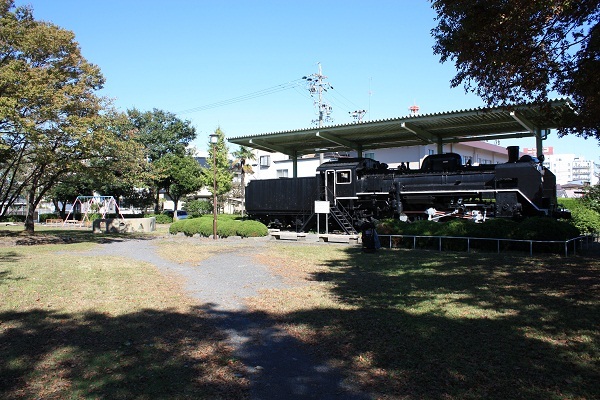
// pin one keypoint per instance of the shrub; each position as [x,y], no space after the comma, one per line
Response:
[44,217]
[536,228]
[226,226]
[162,218]
[197,208]
[252,229]
[177,226]
[585,219]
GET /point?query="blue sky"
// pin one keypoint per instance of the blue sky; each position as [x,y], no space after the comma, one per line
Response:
[181,55]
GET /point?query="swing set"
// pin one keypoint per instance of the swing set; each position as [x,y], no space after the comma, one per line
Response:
[92,205]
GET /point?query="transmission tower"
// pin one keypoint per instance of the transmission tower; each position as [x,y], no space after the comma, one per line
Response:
[358,114]
[317,84]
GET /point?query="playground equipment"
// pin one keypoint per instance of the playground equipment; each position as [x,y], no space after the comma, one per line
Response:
[92,205]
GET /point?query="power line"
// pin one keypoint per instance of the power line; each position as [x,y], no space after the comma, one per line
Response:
[260,93]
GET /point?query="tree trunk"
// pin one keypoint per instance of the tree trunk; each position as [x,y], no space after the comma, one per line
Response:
[31,205]
[243,178]
[157,202]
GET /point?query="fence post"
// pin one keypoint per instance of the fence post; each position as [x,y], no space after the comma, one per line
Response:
[531,247]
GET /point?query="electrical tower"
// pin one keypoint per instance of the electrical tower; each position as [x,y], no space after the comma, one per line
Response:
[357,115]
[317,85]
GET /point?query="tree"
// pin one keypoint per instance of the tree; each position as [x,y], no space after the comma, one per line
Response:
[224,177]
[161,133]
[523,50]
[242,155]
[118,169]
[51,121]
[181,176]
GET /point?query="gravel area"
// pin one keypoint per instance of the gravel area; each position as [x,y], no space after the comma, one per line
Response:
[278,365]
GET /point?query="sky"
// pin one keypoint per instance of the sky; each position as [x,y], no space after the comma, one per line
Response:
[239,64]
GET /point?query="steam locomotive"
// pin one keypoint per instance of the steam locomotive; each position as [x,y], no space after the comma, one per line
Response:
[357,190]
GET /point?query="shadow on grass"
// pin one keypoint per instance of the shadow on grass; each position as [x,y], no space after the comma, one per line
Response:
[67,236]
[431,325]
[147,354]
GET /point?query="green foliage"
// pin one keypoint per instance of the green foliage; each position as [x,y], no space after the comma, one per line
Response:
[544,228]
[509,52]
[591,198]
[224,177]
[252,229]
[161,132]
[226,226]
[586,220]
[197,208]
[44,217]
[52,122]
[537,228]
[160,218]
[180,175]
[93,216]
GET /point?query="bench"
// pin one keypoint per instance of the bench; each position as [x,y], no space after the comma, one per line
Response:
[54,221]
[278,235]
[350,239]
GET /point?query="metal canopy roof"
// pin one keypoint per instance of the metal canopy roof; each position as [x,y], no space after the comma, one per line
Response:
[523,120]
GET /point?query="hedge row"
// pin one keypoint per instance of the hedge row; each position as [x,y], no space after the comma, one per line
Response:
[536,228]
[226,226]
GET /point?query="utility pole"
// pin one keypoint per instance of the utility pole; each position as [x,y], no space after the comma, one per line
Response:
[317,85]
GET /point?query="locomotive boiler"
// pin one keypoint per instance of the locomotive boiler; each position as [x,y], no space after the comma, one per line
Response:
[360,189]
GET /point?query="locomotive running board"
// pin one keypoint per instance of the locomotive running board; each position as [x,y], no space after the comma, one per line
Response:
[466,191]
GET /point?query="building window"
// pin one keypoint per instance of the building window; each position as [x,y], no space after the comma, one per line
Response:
[431,152]
[265,161]
[370,155]
[343,177]
[282,173]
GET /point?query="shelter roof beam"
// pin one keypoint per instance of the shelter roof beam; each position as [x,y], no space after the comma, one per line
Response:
[420,133]
[338,141]
[524,122]
[264,145]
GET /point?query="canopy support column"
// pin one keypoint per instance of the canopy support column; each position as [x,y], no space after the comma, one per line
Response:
[295,164]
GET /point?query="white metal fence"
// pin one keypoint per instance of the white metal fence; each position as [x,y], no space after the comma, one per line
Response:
[565,247]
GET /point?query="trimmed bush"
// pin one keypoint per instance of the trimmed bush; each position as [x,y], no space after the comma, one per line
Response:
[226,226]
[252,229]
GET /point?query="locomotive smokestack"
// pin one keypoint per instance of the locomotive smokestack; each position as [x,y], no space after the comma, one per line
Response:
[513,154]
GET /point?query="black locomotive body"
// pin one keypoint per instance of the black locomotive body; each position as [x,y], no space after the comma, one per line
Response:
[359,190]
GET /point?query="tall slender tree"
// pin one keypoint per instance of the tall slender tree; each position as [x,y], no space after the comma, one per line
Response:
[242,155]
[219,155]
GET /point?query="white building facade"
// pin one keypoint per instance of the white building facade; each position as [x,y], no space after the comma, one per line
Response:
[570,168]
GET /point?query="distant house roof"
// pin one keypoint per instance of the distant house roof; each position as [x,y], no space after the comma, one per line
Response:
[492,123]
[202,161]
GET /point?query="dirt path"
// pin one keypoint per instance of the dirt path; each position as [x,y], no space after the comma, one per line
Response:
[278,365]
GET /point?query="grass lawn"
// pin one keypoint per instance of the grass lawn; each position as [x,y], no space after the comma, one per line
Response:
[74,326]
[399,323]
[417,324]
